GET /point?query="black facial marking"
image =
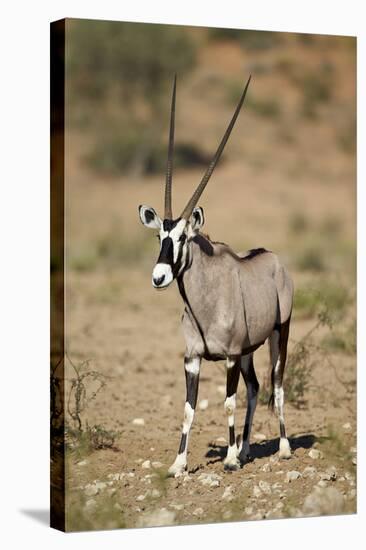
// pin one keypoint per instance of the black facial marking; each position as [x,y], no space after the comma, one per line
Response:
[166,255]
[168,225]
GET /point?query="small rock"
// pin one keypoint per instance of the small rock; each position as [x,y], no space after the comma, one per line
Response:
[212,480]
[203,404]
[157,518]
[100,485]
[131,474]
[322,483]
[227,494]
[248,510]
[152,449]
[82,463]
[267,467]
[227,514]
[265,487]
[280,505]
[276,486]
[332,472]
[349,476]
[259,437]
[155,493]
[354,461]
[177,506]
[111,491]
[140,498]
[353,450]
[116,477]
[90,504]
[309,471]
[198,512]
[138,422]
[221,440]
[292,475]
[221,390]
[256,491]
[323,501]
[315,454]
[347,427]
[91,490]
[157,464]
[146,465]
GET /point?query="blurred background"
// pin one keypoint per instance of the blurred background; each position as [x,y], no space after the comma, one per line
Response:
[286,181]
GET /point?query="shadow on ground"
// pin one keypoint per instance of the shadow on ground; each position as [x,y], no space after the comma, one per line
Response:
[42,516]
[261,450]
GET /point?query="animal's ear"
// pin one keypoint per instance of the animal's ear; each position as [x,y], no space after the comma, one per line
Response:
[149,217]
[197,218]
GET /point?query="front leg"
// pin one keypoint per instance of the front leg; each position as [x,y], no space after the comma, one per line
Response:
[232,378]
[192,370]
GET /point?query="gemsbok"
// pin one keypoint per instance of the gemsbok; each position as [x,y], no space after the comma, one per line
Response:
[233,304]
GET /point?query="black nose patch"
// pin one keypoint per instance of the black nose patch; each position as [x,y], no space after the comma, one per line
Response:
[159,280]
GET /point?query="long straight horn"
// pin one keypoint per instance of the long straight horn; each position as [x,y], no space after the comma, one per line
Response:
[198,192]
[169,165]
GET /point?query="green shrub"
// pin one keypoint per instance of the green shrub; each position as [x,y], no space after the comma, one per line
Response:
[309,301]
[311,259]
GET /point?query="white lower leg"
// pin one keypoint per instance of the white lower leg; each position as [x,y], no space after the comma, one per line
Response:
[232,451]
[285,449]
[180,463]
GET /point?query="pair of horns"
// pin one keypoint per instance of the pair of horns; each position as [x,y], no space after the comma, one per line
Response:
[169,169]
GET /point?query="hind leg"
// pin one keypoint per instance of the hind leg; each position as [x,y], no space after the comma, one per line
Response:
[278,351]
[251,382]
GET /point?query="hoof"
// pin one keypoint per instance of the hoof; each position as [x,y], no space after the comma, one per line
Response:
[285,449]
[231,466]
[177,468]
[245,459]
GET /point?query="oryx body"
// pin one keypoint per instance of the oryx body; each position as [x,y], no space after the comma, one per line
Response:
[233,304]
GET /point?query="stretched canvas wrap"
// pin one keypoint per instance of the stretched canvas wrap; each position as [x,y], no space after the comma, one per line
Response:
[232,395]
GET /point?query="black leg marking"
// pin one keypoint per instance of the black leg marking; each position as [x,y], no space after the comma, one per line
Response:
[232,379]
[251,382]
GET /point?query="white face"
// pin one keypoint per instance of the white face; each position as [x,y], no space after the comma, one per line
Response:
[173,252]
[173,236]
